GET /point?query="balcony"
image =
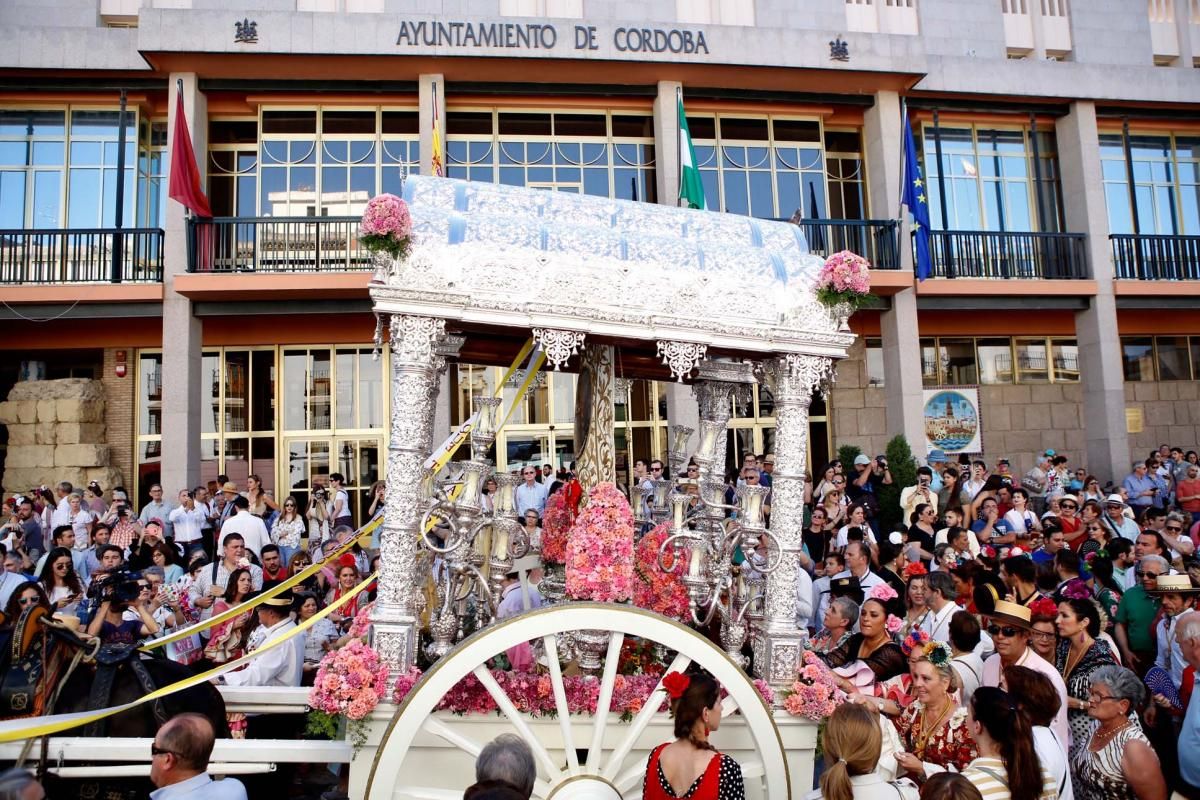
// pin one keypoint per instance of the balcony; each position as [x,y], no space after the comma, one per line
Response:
[877,240]
[1156,257]
[77,255]
[997,254]
[276,244]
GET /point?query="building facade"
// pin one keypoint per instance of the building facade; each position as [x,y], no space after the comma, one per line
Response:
[1060,144]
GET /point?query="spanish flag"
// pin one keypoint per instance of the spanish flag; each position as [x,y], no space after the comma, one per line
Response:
[437,160]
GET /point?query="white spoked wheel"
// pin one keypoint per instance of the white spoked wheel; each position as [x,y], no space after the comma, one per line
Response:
[609,772]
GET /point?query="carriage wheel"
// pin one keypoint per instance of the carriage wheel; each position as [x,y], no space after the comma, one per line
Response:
[607,774]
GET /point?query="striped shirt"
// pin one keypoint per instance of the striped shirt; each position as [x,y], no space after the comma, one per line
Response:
[988,775]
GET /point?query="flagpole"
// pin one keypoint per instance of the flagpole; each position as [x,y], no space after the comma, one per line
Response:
[679,142]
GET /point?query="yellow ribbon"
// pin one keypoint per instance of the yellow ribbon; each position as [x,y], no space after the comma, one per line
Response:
[216,619]
[30,728]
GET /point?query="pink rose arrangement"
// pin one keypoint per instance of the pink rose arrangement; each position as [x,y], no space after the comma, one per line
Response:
[386,225]
[557,520]
[350,682]
[814,694]
[656,589]
[362,621]
[765,691]
[845,278]
[600,548]
[533,694]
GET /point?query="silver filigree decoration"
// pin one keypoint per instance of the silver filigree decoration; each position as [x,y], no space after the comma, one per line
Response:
[518,379]
[681,357]
[378,338]
[559,345]
[622,387]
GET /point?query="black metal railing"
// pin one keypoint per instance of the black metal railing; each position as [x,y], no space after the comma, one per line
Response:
[995,254]
[1156,257]
[78,255]
[276,244]
[877,240]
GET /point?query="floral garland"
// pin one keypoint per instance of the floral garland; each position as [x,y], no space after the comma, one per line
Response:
[600,548]
[350,682]
[533,693]
[657,589]
[557,520]
[361,624]
[386,226]
[814,694]
[844,279]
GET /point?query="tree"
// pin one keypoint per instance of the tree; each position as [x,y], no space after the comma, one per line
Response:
[904,473]
[846,454]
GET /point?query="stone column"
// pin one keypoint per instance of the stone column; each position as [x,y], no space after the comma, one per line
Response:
[427,98]
[792,380]
[415,378]
[1096,330]
[182,330]
[902,387]
[597,460]
[666,143]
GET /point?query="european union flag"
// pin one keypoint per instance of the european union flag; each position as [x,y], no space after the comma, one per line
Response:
[917,200]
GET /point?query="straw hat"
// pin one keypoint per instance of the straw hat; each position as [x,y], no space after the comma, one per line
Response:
[229,487]
[1011,613]
[1174,584]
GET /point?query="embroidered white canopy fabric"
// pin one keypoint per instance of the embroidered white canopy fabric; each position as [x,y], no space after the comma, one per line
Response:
[530,258]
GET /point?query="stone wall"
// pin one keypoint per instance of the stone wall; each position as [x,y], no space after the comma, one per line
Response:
[858,412]
[119,413]
[56,432]
[1170,415]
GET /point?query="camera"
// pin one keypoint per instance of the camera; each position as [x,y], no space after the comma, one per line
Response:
[121,586]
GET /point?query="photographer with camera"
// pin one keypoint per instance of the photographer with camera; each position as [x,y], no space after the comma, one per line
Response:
[118,592]
[864,487]
[922,493]
[318,519]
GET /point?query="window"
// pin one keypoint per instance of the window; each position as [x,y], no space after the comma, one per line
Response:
[989,179]
[1166,180]
[58,168]
[844,173]
[874,362]
[965,361]
[309,162]
[607,154]
[770,167]
[1161,358]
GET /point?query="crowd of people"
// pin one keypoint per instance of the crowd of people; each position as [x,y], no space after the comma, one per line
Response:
[126,575]
[1024,636]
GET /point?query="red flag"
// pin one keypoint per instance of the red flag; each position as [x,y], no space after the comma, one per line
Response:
[185,175]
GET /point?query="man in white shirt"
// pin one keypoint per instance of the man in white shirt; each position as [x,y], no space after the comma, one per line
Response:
[940,596]
[179,758]
[858,565]
[531,494]
[1009,626]
[157,509]
[62,511]
[282,665]
[1177,595]
[188,519]
[964,641]
[974,485]
[252,530]
[913,496]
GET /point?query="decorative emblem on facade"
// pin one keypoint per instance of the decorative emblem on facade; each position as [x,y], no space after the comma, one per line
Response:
[245,32]
[559,345]
[681,357]
[839,50]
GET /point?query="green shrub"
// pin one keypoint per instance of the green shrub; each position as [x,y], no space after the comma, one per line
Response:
[904,473]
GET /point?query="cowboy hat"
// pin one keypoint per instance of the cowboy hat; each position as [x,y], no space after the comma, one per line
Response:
[229,487]
[1174,584]
[1115,500]
[1011,613]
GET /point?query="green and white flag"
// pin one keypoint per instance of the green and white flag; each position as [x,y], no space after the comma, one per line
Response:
[691,188]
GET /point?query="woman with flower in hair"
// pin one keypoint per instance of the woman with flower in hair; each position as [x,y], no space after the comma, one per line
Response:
[690,767]
[933,727]
[871,656]
[1043,637]
[1079,654]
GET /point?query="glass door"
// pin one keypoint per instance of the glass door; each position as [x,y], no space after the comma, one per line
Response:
[311,460]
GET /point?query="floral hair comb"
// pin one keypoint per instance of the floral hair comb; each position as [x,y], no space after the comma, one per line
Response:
[676,683]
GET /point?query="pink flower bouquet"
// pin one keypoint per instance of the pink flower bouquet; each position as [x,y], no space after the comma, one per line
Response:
[813,694]
[654,588]
[556,523]
[600,548]
[845,279]
[350,682]
[386,226]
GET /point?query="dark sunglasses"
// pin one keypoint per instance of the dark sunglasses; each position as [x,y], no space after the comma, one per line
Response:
[1141,573]
[155,750]
[1008,631]
[1174,528]
[1068,505]
[25,601]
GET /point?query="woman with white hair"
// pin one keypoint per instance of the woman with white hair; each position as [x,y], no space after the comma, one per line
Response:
[507,761]
[1118,762]
[839,621]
